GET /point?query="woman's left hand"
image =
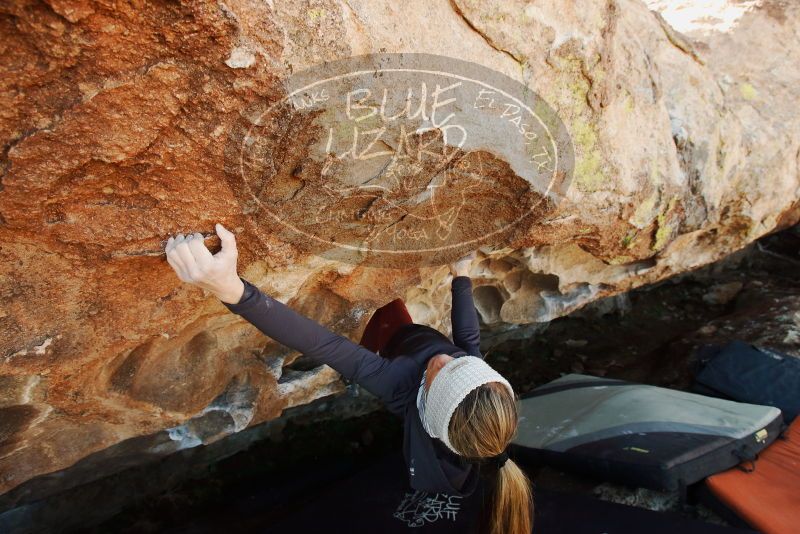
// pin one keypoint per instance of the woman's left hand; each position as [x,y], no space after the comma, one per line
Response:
[460,267]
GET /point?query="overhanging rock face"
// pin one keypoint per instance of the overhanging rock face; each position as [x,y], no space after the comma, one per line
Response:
[115,122]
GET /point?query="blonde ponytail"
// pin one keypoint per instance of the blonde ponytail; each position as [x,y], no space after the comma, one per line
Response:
[482,426]
[512,501]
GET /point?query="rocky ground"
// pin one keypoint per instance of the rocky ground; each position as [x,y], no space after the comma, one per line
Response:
[647,335]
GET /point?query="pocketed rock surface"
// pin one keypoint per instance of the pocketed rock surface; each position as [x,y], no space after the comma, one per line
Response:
[114,123]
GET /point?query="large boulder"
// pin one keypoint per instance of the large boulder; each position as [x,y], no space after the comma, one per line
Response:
[115,122]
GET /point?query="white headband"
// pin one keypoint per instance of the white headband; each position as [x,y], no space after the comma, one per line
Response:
[452,383]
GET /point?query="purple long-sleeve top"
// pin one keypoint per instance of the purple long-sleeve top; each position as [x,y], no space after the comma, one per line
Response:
[432,466]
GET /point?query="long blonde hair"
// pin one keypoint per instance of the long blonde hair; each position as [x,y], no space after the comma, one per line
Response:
[482,426]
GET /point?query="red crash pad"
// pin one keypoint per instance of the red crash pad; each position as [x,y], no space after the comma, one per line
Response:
[768,497]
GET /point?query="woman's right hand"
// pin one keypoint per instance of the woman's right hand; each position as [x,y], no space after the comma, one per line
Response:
[193,263]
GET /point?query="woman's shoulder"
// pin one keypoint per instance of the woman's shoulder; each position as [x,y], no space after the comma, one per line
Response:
[405,376]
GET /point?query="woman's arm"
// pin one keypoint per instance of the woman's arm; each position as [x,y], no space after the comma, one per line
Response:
[463,316]
[194,264]
[357,364]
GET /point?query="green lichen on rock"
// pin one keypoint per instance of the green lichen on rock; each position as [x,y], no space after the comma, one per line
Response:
[627,241]
[644,212]
[666,228]
[571,100]
[747,91]
[589,175]
[628,103]
[621,260]
[662,234]
[316,13]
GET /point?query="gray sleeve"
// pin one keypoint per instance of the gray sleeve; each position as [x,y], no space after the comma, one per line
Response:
[464,317]
[380,376]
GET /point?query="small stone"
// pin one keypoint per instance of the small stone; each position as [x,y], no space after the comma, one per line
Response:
[722,294]
[792,337]
[576,343]
[240,58]
[707,330]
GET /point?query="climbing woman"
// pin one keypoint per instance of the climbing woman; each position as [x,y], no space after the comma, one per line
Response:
[459,414]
